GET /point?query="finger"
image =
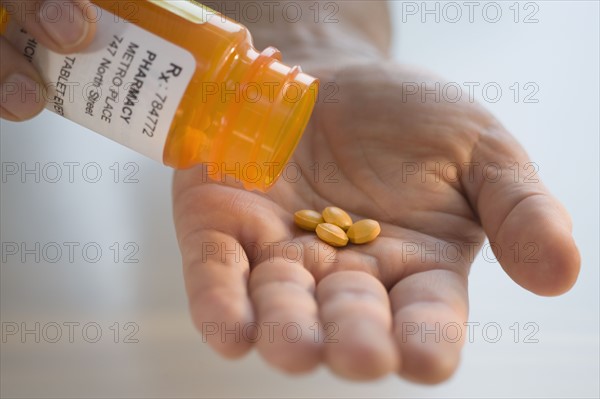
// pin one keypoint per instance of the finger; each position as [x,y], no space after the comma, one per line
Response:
[213,223]
[430,310]
[215,275]
[529,230]
[60,25]
[282,292]
[21,88]
[355,313]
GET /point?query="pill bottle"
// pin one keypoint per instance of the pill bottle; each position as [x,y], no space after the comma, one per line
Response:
[178,82]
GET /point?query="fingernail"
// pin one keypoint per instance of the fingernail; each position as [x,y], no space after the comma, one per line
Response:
[20,95]
[64,22]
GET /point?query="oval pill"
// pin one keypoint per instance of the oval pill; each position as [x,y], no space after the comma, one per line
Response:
[364,231]
[337,216]
[308,219]
[332,235]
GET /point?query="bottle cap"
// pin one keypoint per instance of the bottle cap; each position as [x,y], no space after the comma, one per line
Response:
[266,113]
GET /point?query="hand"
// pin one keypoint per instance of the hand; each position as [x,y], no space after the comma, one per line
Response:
[369,298]
[59,25]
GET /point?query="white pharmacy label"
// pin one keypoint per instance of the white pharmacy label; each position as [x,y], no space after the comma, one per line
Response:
[127,85]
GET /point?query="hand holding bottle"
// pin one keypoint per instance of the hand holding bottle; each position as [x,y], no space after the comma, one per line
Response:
[174,81]
[59,25]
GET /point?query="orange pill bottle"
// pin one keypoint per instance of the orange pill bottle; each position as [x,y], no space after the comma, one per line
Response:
[180,83]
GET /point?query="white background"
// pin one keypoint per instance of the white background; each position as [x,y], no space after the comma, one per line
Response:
[559,54]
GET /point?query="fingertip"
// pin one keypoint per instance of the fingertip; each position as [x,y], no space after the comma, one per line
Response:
[64,27]
[430,339]
[355,308]
[429,367]
[221,320]
[21,96]
[4,114]
[567,265]
[559,266]
[537,249]
[362,351]
[86,39]
[68,26]
[291,344]
[89,31]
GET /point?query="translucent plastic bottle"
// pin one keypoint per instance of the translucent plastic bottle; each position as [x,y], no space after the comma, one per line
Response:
[178,82]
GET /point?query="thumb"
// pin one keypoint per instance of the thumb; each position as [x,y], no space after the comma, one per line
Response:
[529,230]
[61,25]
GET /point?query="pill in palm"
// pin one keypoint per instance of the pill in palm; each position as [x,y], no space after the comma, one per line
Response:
[332,234]
[338,217]
[363,231]
[308,219]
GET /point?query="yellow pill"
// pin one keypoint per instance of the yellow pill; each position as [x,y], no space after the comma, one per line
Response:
[364,231]
[338,217]
[332,235]
[307,219]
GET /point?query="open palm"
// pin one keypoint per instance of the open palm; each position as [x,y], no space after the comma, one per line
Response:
[438,176]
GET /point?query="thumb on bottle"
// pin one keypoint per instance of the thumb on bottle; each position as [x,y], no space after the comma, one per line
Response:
[61,25]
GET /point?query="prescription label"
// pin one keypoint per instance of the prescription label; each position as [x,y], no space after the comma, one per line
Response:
[127,85]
